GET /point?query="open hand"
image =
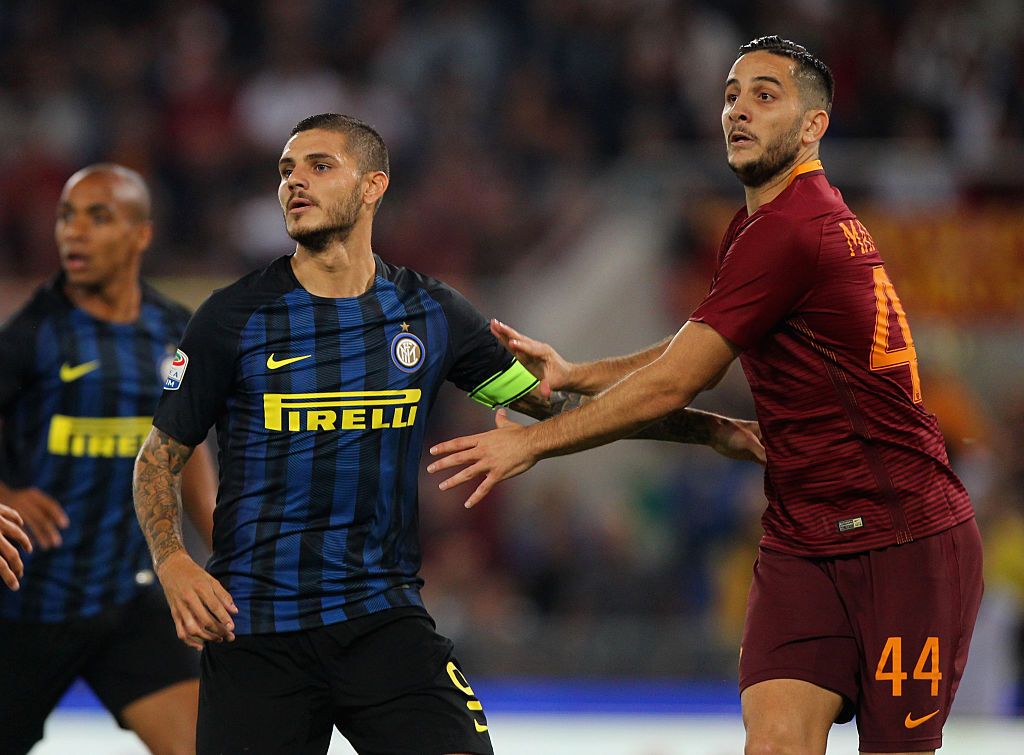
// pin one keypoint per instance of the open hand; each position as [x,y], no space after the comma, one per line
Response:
[546,364]
[495,456]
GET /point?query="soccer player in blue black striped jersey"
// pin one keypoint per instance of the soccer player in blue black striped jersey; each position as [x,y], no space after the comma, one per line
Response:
[84,363]
[318,372]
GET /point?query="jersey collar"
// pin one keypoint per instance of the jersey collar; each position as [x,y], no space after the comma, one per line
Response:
[808,167]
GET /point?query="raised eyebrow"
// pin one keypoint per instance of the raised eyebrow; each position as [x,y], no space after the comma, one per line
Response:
[770,79]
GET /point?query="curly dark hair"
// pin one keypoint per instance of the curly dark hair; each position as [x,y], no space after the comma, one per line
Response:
[814,77]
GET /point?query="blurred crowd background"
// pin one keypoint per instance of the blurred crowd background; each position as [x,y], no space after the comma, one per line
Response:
[561,162]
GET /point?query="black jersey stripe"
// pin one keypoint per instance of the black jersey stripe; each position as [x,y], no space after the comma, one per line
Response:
[313,568]
[276,321]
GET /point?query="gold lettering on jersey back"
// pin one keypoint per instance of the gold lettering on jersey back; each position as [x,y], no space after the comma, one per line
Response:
[97,437]
[345,410]
[858,238]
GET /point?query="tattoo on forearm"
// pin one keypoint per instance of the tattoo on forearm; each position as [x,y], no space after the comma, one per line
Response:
[157,492]
[536,406]
[684,426]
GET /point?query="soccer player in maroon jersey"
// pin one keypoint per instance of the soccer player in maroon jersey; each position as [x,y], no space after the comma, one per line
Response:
[868,577]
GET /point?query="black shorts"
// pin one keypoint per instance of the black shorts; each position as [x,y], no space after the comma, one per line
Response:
[388,681]
[123,654]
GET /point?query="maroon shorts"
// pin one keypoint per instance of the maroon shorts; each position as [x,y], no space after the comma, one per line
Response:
[887,629]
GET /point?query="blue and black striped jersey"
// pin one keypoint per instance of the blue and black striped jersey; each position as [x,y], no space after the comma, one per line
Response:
[77,396]
[321,406]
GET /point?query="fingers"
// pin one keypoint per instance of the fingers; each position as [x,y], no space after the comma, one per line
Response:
[501,418]
[6,512]
[11,566]
[453,460]
[545,388]
[217,607]
[500,331]
[43,530]
[453,446]
[43,517]
[8,576]
[481,491]
[51,509]
[460,477]
[504,332]
[10,529]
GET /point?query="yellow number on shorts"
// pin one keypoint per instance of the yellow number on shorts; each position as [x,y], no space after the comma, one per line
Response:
[459,680]
[929,654]
[883,357]
[893,653]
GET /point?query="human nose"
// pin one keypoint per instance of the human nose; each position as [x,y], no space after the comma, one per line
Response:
[72,226]
[738,110]
[297,179]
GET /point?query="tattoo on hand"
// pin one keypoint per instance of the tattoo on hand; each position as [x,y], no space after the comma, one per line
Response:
[157,492]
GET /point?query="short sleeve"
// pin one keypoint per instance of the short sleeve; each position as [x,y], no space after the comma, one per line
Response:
[761,278]
[201,376]
[481,366]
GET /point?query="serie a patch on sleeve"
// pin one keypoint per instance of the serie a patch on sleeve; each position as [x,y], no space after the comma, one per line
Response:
[176,371]
[502,388]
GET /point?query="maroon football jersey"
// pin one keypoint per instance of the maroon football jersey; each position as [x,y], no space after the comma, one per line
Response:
[854,460]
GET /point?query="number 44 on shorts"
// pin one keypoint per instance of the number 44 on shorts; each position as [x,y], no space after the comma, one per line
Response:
[892,655]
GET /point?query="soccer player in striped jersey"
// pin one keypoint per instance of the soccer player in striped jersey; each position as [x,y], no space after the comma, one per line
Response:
[83,369]
[319,372]
[868,578]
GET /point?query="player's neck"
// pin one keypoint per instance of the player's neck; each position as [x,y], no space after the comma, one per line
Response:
[343,269]
[758,196]
[117,300]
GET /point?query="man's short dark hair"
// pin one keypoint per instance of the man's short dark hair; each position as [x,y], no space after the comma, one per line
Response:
[813,76]
[363,140]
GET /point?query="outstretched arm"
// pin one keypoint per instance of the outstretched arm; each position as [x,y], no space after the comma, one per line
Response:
[201,607]
[696,356]
[734,438]
[555,372]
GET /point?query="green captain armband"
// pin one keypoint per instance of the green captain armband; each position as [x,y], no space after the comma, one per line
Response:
[505,387]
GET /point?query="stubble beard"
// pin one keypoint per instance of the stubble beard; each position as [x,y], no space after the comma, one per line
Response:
[778,156]
[341,219]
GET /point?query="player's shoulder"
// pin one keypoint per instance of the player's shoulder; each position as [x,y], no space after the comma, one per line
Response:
[155,298]
[409,280]
[252,289]
[798,215]
[46,301]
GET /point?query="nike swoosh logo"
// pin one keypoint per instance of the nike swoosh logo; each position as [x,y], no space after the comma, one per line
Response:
[69,374]
[481,728]
[911,723]
[275,363]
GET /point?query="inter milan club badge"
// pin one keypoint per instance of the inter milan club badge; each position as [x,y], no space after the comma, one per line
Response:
[407,350]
